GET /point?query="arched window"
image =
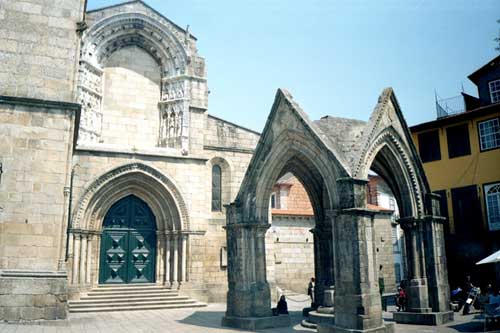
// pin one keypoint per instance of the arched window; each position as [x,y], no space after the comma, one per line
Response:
[216,188]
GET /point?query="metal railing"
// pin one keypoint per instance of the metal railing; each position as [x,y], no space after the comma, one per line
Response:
[449,106]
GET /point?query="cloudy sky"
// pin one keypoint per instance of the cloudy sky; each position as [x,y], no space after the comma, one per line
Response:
[335,57]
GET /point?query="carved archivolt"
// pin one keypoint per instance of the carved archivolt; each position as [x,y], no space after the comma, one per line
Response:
[83,218]
[390,137]
[165,44]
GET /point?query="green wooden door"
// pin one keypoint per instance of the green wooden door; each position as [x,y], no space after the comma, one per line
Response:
[128,243]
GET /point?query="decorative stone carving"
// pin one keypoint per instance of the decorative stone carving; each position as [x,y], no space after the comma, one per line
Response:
[107,179]
[90,97]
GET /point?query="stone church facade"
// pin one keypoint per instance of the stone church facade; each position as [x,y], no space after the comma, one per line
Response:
[112,169]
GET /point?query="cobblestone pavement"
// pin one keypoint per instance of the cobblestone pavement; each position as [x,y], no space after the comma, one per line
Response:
[201,320]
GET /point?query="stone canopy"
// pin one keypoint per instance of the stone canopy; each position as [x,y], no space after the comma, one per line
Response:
[332,158]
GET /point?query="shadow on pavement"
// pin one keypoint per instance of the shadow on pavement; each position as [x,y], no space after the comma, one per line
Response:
[212,319]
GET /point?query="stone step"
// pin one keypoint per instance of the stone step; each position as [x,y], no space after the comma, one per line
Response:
[127,300]
[136,308]
[129,288]
[80,305]
[132,292]
[131,296]
[132,285]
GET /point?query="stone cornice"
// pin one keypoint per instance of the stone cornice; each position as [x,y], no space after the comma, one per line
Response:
[40,103]
[230,149]
[136,151]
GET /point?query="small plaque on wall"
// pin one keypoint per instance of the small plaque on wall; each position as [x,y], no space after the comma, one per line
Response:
[223,257]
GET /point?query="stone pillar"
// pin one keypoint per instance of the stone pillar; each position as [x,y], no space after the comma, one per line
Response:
[323,257]
[184,257]
[357,298]
[76,258]
[70,245]
[83,259]
[89,260]
[168,282]
[358,305]
[249,294]
[161,255]
[175,273]
[157,263]
[425,256]
[435,255]
[418,299]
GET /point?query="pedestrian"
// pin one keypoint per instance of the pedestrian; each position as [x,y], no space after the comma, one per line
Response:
[310,291]
[282,307]
[401,299]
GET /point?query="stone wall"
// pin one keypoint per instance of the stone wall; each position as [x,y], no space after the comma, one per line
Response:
[290,252]
[38,48]
[385,251]
[130,104]
[37,142]
[32,295]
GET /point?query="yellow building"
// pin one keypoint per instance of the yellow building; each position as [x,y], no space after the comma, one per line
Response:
[460,151]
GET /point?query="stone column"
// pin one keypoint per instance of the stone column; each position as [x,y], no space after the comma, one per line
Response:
[175,273]
[435,255]
[248,296]
[184,257]
[70,245]
[323,254]
[76,258]
[89,260]
[161,255]
[358,305]
[168,282]
[418,299]
[83,259]
[157,263]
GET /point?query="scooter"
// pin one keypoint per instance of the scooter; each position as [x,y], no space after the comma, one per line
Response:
[471,299]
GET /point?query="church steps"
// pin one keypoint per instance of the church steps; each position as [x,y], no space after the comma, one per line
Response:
[79,305]
[122,288]
[133,292]
[131,297]
[137,308]
[128,300]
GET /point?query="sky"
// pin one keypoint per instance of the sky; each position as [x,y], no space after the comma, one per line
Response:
[335,57]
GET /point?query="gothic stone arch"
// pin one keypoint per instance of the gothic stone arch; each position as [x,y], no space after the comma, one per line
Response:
[171,47]
[332,157]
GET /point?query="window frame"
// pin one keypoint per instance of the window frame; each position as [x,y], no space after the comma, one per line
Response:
[421,134]
[213,188]
[465,152]
[485,198]
[273,196]
[496,81]
[479,133]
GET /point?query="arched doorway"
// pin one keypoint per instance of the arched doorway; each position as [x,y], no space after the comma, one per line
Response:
[128,243]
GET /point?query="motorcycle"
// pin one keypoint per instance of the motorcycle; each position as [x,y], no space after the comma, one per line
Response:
[471,300]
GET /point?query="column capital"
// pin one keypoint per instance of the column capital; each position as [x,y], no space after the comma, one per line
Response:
[409,222]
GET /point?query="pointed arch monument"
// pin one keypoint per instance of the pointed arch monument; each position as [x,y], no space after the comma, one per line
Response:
[332,158]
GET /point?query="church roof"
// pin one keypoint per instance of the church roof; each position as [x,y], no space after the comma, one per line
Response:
[343,133]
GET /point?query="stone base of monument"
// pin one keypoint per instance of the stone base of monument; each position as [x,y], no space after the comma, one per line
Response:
[386,328]
[256,323]
[428,318]
[323,315]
